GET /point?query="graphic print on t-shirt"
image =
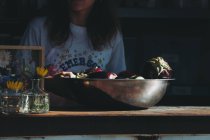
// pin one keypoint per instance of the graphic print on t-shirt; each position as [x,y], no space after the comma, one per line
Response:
[66,60]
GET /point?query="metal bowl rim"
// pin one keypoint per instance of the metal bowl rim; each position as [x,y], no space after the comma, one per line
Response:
[93,79]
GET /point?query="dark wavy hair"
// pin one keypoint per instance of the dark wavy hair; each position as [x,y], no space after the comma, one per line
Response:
[102,24]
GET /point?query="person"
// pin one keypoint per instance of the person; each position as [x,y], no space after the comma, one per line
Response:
[77,35]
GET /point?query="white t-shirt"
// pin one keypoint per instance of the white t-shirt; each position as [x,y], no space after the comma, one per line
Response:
[76,54]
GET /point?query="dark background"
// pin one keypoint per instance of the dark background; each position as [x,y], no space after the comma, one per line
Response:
[177,30]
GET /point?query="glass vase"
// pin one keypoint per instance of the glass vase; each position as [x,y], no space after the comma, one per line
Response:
[34,100]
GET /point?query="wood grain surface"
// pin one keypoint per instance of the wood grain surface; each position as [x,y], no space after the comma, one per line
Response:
[153,111]
[156,120]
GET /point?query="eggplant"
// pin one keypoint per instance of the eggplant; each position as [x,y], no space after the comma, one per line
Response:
[102,75]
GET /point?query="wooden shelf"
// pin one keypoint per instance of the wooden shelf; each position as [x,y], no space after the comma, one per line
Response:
[163,13]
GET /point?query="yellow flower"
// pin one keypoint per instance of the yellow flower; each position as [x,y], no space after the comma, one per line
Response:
[14,85]
[41,71]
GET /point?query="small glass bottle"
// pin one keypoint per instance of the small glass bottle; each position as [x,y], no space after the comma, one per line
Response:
[34,100]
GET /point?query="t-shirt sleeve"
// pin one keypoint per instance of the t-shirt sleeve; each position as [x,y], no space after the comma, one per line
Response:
[117,61]
[31,36]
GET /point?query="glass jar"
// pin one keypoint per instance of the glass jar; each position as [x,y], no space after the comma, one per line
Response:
[10,102]
[34,100]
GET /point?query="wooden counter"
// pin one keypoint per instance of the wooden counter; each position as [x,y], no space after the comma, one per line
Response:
[156,120]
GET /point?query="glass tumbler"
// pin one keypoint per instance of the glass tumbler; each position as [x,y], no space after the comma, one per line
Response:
[10,102]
